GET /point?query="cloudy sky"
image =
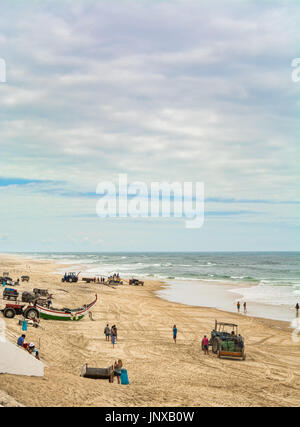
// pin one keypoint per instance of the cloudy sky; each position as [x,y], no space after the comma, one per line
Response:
[170,90]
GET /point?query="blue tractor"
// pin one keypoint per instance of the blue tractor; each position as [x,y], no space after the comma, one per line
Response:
[70,278]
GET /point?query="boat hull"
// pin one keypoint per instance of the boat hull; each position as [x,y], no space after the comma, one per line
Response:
[73,315]
[60,317]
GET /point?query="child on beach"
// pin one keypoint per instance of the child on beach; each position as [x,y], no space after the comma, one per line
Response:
[174,333]
[32,349]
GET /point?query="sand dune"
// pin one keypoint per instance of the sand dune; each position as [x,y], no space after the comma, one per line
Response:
[160,372]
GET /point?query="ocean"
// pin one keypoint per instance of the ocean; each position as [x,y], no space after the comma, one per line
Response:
[270,278]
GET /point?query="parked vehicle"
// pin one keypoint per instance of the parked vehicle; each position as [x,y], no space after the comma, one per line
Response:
[88,279]
[7,280]
[25,278]
[28,296]
[41,292]
[136,282]
[11,310]
[10,294]
[70,278]
[37,296]
[115,282]
[226,342]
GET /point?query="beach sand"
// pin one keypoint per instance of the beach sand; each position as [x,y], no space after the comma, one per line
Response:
[161,373]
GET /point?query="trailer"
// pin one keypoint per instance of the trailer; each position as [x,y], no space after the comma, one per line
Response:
[88,279]
[10,294]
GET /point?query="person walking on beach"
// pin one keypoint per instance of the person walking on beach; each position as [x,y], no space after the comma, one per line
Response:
[175,333]
[297,310]
[205,345]
[107,332]
[114,330]
[113,338]
[238,306]
[245,307]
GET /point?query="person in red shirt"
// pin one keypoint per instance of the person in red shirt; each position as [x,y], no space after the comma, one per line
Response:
[205,345]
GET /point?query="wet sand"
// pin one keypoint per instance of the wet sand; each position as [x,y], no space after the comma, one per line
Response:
[223,296]
[161,373]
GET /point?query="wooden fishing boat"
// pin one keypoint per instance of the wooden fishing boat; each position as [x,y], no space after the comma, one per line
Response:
[65,314]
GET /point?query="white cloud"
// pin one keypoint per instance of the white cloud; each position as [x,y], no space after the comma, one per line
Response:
[171,90]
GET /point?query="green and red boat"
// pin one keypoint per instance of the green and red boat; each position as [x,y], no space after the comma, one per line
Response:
[65,313]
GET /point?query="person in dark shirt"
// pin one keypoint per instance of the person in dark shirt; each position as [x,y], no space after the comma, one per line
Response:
[20,341]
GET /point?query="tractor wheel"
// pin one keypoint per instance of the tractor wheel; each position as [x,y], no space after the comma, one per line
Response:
[31,313]
[216,345]
[9,313]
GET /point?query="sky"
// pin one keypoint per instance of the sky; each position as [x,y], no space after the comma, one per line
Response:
[167,91]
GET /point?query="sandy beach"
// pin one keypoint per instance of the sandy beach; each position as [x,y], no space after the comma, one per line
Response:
[161,373]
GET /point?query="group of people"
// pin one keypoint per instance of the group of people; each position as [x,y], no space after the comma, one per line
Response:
[238,306]
[115,277]
[30,347]
[111,333]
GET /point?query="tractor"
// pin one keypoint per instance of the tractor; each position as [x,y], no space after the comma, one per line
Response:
[70,278]
[11,310]
[226,342]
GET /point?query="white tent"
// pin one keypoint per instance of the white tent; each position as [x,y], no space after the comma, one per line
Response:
[15,360]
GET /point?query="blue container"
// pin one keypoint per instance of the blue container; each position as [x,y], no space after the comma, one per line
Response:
[124,377]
